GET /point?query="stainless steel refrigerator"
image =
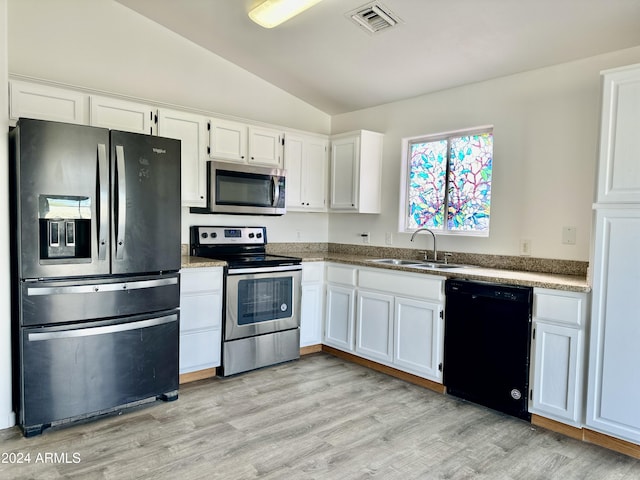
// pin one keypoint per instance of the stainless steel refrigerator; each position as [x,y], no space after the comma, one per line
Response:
[96,242]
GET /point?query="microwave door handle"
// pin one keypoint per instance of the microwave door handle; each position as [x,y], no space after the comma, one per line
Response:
[103,201]
[122,202]
[275,188]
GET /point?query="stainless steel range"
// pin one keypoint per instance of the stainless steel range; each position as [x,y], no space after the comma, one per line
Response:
[261,324]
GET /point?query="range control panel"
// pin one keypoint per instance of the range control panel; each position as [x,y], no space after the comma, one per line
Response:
[229,235]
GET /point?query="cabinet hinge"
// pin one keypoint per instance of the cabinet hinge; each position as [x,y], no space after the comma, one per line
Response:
[440,366]
[283,141]
[209,126]
[441,313]
[533,334]
[209,150]
[531,394]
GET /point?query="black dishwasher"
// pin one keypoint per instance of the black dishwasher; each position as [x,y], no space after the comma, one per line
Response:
[486,344]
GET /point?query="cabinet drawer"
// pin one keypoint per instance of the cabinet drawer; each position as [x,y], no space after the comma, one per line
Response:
[559,306]
[405,284]
[200,280]
[341,274]
[312,272]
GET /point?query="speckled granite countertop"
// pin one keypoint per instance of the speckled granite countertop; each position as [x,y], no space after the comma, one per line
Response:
[557,281]
[198,262]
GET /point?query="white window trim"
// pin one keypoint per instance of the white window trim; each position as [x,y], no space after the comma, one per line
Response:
[404,179]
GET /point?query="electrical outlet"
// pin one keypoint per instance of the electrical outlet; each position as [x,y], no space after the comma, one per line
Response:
[525,246]
[298,235]
[366,237]
[388,238]
[568,235]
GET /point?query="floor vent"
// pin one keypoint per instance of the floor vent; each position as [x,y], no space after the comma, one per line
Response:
[374,17]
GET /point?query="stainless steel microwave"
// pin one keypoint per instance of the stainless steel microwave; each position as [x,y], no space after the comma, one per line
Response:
[244,190]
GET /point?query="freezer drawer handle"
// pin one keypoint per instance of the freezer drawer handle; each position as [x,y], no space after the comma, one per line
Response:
[91,331]
[122,202]
[103,287]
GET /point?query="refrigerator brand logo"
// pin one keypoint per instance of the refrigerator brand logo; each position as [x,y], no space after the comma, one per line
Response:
[159,150]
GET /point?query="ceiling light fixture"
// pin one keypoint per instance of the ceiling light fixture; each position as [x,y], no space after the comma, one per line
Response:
[272,13]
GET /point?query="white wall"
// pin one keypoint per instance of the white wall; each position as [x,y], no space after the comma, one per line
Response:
[546,126]
[6,415]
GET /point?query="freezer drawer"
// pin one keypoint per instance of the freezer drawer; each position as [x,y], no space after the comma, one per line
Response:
[63,301]
[70,372]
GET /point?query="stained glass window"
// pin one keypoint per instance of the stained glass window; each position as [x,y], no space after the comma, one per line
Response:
[450,183]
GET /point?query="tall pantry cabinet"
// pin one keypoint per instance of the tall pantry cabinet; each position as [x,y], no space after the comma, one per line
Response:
[614,390]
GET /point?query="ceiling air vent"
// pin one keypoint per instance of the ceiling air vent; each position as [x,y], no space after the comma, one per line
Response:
[374,17]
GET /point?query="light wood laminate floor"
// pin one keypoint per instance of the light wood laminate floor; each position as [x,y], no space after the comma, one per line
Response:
[316,418]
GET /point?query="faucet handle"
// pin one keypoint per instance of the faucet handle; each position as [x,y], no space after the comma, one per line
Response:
[447,255]
[425,253]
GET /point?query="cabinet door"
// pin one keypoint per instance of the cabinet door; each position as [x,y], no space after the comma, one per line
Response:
[227,140]
[614,392]
[340,317]
[294,163]
[306,162]
[345,153]
[265,147]
[374,326]
[122,115]
[311,315]
[557,374]
[419,337]
[191,130]
[43,102]
[619,164]
[314,174]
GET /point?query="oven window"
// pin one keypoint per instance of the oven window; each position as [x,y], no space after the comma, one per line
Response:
[264,299]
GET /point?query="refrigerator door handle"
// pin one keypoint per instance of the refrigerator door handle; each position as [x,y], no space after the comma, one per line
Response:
[91,331]
[100,287]
[122,202]
[103,201]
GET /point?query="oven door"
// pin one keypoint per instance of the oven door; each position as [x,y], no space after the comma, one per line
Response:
[262,300]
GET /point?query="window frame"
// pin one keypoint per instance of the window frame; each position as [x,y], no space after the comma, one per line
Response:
[403,217]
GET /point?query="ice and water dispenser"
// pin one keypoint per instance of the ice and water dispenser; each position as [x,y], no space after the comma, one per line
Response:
[65,227]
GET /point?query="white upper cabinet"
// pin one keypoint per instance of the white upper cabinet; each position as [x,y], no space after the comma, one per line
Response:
[228,140]
[191,130]
[43,102]
[265,147]
[306,162]
[356,167]
[122,115]
[619,165]
[238,142]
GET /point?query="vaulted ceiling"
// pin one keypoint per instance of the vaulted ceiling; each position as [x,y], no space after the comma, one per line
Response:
[323,57]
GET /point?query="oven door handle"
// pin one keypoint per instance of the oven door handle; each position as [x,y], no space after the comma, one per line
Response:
[281,268]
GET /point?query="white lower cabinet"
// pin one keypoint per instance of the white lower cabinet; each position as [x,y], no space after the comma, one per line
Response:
[558,350]
[340,307]
[393,318]
[374,338]
[200,318]
[312,304]
[419,337]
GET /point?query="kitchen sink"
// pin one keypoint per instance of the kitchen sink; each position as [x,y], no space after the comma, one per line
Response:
[419,264]
[395,261]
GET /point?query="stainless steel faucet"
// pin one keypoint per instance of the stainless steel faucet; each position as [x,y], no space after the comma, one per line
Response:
[435,249]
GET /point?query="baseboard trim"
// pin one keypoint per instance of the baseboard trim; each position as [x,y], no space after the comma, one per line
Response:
[310,349]
[197,375]
[408,377]
[612,443]
[558,427]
